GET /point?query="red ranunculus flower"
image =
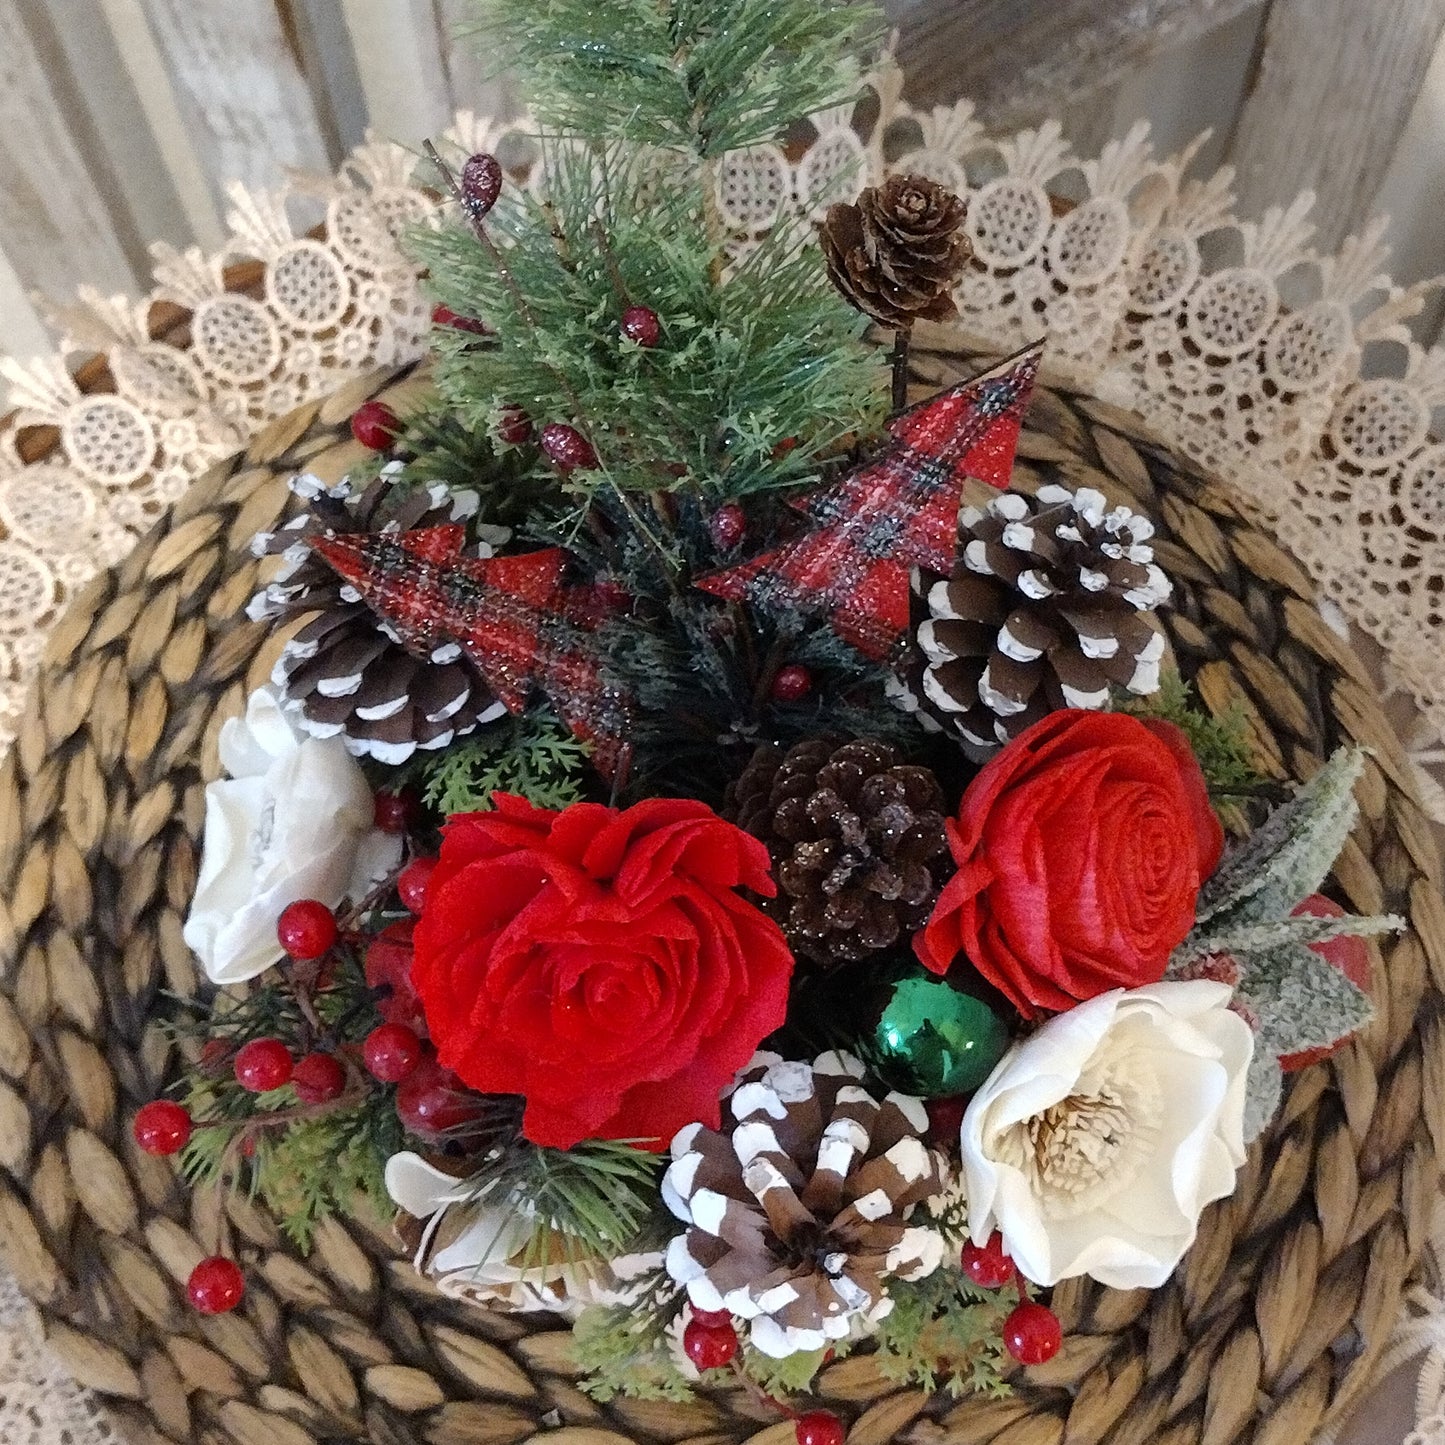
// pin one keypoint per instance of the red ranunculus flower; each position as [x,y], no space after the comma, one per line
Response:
[1080,848]
[600,963]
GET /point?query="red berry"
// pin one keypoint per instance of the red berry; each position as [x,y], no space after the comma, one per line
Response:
[481,183]
[263,1065]
[433,1101]
[793,683]
[319,1078]
[1350,956]
[214,1053]
[394,812]
[819,1427]
[640,324]
[445,316]
[567,448]
[514,426]
[216,1285]
[412,882]
[986,1264]
[728,525]
[784,447]
[388,973]
[375,425]
[709,1347]
[712,1317]
[945,1120]
[1032,1333]
[248,1147]
[306,929]
[162,1127]
[391,1052]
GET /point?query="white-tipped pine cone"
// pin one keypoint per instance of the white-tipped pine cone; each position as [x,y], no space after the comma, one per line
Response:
[1047,607]
[798,1207]
[345,672]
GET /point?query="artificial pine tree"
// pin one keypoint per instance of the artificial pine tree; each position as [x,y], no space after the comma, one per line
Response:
[664,392]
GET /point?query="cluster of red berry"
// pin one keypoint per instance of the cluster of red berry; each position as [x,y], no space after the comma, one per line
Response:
[1032,1334]
[710,1341]
[429,1100]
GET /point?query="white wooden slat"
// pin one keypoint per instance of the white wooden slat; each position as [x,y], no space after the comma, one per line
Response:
[243,100]
[141,61]
[1412,193]
[329,64]
[474,86]
[1181,93]
[1022,60]
[22,333]
[54,224]
[1336,84]
[397,44]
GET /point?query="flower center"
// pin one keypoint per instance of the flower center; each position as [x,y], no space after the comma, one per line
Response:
[1082,1151]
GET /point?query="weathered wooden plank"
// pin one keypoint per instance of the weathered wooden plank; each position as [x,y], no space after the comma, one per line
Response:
[1336,84]
[398,49]
[329,63]
[1022,60]
[147,118]
[55,225]
[238,84]
[473,84]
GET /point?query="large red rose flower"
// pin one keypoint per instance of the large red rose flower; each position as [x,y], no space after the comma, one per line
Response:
[1081,848]
[600,963]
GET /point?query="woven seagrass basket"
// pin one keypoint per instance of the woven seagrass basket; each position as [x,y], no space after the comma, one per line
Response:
[1270,1328]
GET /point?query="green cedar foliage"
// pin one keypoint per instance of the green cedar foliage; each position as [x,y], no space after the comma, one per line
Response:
[625,1349]
[530,754]
[1221,744]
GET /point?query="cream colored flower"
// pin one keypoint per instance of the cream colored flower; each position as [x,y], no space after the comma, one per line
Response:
[1098,1140]
[293,820]
[476,1251]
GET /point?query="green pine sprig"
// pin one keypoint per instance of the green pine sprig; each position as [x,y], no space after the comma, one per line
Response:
[1221,744]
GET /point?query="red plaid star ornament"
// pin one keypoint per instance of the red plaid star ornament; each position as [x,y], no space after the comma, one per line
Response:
[894,512]
[512,616]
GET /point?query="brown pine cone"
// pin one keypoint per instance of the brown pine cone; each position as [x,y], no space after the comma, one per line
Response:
[1046,607]
[857,842]
[345,672]
[896,253]
[803,1203]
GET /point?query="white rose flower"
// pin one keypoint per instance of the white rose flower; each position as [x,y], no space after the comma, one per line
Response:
[479,1253]
[293,820]
[1098,1140]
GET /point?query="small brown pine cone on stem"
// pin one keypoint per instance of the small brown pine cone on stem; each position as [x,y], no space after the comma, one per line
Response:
[803,1203]
[896,253]
[345,672]
[857,841]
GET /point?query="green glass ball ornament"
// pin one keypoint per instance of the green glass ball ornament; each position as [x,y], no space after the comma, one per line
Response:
[932,1038]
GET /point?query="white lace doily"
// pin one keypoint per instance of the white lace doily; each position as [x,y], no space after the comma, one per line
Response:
[1291,375]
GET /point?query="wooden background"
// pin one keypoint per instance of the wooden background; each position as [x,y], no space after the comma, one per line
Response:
[121,120]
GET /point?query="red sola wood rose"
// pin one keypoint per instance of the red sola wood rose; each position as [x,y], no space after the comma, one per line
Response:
[599,963]
[1081,849]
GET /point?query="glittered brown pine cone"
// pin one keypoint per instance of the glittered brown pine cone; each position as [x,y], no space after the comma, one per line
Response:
[1046,607]
[897,252]
[803,1203]
[857,841]
[345,672]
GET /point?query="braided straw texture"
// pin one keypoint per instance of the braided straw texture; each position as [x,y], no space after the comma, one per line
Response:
[1269,1331]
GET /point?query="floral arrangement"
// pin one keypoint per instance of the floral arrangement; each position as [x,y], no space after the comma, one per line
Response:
[715,860]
